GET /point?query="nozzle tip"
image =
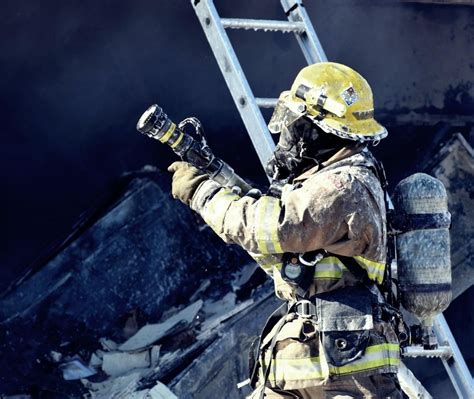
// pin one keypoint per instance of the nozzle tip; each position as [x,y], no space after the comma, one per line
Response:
[147,120]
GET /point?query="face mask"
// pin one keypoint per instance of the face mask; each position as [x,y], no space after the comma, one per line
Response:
[286,159]
[301,146]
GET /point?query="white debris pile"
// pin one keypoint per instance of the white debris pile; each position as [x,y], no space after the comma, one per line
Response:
[221,310]
[154,352]
[127,387]
[128,363]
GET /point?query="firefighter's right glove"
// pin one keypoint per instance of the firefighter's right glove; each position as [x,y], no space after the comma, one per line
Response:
[186,180]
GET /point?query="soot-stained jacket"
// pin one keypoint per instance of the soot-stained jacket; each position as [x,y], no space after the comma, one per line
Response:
[339,208]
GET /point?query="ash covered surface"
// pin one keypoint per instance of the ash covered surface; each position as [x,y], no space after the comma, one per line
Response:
[146,254]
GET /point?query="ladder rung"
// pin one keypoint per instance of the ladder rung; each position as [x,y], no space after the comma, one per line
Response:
[444,352]
[263,24]
[266,102]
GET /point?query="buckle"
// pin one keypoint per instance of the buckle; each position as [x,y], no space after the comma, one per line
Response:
[317,257]
[305,309]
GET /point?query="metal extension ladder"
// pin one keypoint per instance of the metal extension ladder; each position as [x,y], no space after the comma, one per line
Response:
[249,108]
[214,27]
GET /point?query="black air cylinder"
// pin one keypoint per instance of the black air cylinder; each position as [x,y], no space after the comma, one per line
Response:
[423,255]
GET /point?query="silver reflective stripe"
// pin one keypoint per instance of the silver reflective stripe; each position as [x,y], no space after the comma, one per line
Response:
[266,225]
[375,356]
[329,267]
[216,208]
[267,262]
[296,369]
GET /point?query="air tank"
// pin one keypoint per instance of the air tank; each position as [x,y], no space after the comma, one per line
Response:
[422,223]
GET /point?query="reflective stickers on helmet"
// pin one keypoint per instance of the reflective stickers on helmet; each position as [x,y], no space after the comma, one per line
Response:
[363,115]
[350,96]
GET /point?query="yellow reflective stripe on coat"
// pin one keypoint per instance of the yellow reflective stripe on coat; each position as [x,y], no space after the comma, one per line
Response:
[329,267]
[375,270]
[266,225]
[267,261]
[295,369]
[216,208]
[375,356]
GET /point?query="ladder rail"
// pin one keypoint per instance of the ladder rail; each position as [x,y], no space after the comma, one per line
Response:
[410,384]
[309,42]
[235,79]
[455,366]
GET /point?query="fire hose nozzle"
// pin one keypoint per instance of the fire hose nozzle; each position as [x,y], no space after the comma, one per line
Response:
[155,123]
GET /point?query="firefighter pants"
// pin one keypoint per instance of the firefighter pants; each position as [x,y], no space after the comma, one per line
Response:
[376,386]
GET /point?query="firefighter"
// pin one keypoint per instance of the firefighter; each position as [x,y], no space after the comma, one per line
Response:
[320,234]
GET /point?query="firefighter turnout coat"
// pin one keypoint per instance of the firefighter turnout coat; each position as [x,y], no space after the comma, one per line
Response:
[339,208]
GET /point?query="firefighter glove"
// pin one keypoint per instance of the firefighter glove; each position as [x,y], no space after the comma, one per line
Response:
[186,180]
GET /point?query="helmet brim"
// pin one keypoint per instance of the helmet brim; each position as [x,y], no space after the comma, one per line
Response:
[363,130]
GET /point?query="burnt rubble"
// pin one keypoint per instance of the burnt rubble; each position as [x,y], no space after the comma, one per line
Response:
[146,302]
[145,256]
[198,350]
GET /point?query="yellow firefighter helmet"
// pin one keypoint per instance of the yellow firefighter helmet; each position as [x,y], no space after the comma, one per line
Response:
[334,97]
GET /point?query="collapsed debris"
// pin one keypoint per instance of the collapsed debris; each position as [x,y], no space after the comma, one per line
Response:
[75,369]
[118,363]
[118,269]
[135,368]
[151,333]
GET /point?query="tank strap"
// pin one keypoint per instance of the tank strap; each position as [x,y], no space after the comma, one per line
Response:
[274,323]
[278,317]
[407,222]
[386,286]
[379,171]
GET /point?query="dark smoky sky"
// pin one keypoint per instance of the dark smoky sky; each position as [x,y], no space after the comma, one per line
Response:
[76,75]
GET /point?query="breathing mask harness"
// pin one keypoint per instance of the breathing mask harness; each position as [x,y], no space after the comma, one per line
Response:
[302,145]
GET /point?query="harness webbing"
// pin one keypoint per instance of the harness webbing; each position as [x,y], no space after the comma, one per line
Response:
[278,317]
